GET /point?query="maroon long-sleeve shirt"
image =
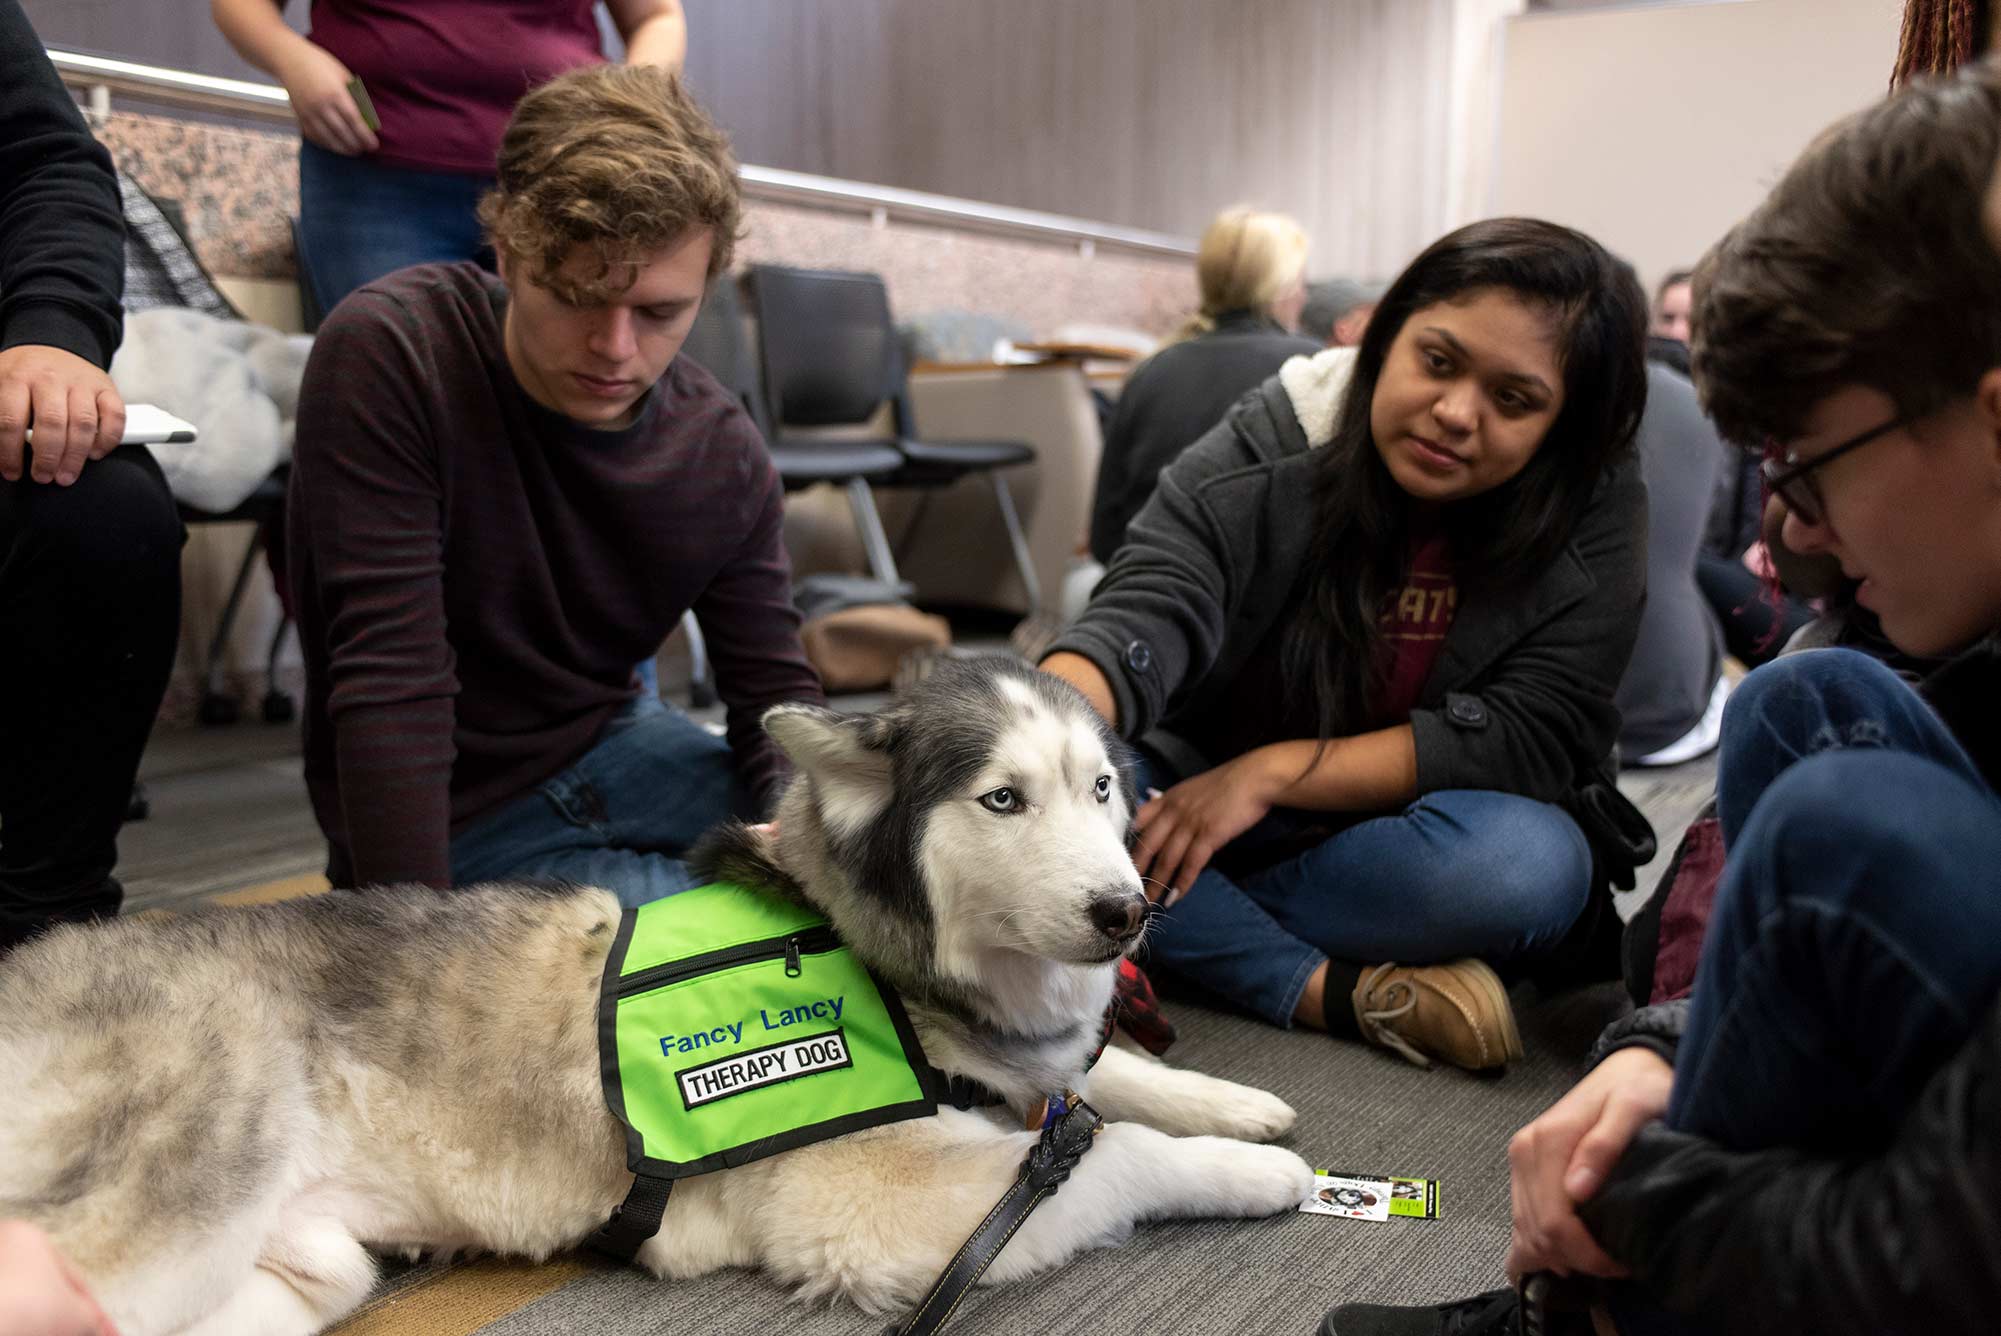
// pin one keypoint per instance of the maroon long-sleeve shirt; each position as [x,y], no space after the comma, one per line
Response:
[475,576]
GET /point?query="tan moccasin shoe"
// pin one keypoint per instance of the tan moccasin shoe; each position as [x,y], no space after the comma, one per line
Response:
[1456,1013]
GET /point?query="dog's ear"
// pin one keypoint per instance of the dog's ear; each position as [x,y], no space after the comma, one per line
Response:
[834,748]
[845,756]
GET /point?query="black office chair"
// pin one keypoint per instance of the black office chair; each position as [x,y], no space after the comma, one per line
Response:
[717,342]
[829,355]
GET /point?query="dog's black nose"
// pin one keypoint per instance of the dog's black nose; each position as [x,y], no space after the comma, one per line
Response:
[1119,916]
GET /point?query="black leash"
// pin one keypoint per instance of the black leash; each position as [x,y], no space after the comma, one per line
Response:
[634,1222]
[1065,1138]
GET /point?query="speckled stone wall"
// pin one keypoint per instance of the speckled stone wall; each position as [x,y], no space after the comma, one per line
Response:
[239,187]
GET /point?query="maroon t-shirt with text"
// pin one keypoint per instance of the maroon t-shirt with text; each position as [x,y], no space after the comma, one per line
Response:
[1414,621]
[1265,708]
[444,75]
[475,575]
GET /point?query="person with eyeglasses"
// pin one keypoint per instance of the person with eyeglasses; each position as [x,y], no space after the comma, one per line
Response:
[1811,1142]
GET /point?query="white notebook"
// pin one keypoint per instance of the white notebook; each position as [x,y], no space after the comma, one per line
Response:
[148,425]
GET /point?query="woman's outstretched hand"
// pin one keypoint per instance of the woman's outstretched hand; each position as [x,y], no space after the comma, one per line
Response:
[1181,829]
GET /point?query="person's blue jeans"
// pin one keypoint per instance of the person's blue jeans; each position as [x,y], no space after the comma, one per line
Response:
[360,219]
[1457,873]
[1855,941]
[623,817]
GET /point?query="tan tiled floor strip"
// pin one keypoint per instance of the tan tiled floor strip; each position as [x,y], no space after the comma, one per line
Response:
[287,888]
[463,1299]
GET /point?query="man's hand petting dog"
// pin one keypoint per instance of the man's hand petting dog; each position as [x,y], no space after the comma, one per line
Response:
[1562,1158]
[1181,830]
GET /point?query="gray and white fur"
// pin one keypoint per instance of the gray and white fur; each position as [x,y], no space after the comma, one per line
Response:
[217,1115]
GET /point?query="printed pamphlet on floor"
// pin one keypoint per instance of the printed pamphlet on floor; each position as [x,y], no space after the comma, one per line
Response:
[1371,1196]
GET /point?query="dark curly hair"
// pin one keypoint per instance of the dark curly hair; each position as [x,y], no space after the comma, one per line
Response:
[1866,265]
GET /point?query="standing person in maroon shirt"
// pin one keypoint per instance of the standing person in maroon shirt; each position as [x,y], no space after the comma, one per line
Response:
[506,493]
[441,77]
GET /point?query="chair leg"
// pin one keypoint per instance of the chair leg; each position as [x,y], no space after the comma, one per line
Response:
[701,685]
[868,522]
[217,705]
[1024,564]
[278,707]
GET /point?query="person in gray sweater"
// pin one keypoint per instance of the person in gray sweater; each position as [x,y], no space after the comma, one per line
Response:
[1366,635]
[1670,700]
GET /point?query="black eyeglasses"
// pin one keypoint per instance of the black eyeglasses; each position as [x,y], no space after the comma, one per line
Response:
[1792,480]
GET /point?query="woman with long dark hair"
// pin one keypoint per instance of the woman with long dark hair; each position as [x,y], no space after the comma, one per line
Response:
[1366,636]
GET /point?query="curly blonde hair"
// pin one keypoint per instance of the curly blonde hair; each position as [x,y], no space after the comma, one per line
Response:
[616,158]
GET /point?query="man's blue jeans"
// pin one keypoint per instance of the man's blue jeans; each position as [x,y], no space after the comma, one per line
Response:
[622,817]
[1856,938]
[360,219]
[1457,873]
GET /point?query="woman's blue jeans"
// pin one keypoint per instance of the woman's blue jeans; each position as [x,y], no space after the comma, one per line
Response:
[1855,943]
[360,219]
[623,817]
[1457,873]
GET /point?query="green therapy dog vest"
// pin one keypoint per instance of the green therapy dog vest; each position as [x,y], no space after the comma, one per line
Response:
[733,1025]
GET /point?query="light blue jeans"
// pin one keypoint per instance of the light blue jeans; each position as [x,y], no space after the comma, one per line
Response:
[623,817]
[1459,872]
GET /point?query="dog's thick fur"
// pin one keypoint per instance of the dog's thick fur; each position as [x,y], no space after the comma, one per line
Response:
[212,1114]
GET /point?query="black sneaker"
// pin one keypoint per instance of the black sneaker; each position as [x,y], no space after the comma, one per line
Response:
[1553,1308]
[1495,1313]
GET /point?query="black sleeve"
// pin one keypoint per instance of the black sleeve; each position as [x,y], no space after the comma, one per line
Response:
[1906,1240]
[752,628]
[1657,1028]
[1546,707]
[1130,464]
[62,232]
[1167,589]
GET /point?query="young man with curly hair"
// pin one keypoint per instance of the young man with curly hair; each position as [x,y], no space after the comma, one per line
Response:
[507,491]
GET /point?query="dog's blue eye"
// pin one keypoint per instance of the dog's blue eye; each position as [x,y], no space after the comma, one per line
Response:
[1104,788]
[1000,800]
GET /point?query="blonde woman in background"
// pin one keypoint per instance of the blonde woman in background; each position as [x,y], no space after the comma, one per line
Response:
[1251,269]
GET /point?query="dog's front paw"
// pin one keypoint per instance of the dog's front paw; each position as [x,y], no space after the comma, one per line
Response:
[1245,1113]
[1226,1178]
[1270,1179]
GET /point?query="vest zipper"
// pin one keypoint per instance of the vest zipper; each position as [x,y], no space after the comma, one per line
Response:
[806,942]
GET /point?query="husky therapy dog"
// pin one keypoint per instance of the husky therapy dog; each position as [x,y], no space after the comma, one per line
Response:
[215,1115]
